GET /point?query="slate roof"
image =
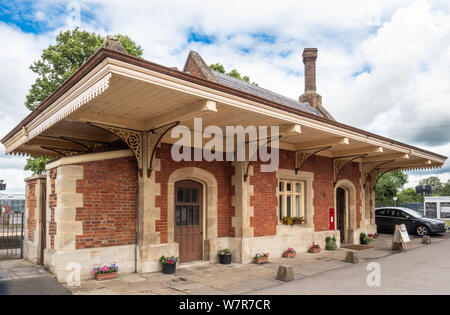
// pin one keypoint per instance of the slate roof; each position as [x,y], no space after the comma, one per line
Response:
[263,93]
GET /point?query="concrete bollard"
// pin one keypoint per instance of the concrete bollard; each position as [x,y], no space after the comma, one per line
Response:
[426,240]
[397,247]
[352,257]
[285,273]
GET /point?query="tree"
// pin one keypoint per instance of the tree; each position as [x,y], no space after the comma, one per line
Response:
[434,182]
[445,191]
[233,73]
[408,195]
[388,186]
[60,61]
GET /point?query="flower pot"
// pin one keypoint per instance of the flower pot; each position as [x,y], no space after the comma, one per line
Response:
[260,260]
[225,259]
[314,250]
[169,269]
[288,255]
[106,276]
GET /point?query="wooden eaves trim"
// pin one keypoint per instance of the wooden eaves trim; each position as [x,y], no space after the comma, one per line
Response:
[104,53]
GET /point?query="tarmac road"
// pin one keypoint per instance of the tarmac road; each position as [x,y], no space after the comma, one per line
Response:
[424,270]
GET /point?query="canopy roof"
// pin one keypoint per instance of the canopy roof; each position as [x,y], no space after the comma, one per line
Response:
[114,89]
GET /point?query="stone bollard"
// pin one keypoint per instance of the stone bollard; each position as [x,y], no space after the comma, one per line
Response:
[352,257]
[426,240]
[397,247]
[285,273]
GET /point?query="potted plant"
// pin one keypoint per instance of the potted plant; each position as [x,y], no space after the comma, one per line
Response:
[299,220]
[364,238]
[261,258]
[169,264]
[315,248]
[373,236]
[225,256]
[330,243]
[287,221]
[105,272]
[289,253]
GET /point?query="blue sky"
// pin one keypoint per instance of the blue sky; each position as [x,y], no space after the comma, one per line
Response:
[385,62]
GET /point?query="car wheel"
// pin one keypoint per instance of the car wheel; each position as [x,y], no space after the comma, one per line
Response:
[422,230]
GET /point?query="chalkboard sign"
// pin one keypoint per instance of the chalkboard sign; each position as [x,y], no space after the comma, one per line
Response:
[401,236]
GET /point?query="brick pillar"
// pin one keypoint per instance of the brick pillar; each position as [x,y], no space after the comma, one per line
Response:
[34,204]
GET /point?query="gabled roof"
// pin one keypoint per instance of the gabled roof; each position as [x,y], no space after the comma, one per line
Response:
[263,93]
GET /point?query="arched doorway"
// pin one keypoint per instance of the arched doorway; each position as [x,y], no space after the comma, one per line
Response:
[189,219]
[341,217]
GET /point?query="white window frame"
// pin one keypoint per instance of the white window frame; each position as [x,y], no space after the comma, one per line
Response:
[283,195]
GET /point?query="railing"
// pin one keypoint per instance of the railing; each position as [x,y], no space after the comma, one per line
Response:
[11,235]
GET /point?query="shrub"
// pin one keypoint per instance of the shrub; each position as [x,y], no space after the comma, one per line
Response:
[364,238]
[330,243]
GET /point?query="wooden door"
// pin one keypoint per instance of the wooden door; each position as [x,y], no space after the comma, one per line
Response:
[188,220]
[341,204]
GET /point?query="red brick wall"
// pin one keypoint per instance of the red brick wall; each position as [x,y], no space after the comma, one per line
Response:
[109,189]
[264,201]
[193,68]
[323,185]
[52,202]
[31,206]
[222,171]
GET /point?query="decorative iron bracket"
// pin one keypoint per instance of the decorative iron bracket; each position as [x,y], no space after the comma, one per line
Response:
[133,139]
[304,155]
[247,163]
[340,162]
[154,137]
[376,174]
[368,172]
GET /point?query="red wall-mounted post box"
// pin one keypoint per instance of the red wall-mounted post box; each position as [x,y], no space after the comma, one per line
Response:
[331,219]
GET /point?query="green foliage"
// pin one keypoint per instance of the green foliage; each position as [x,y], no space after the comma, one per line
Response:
[388,186]
[364,239]
[233,73]
[61,60]
[330,243]
[408,195]
[36,165]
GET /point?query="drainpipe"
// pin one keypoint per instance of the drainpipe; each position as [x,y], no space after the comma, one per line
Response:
[137,226]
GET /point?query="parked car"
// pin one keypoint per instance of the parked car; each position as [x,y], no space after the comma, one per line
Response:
[387,217]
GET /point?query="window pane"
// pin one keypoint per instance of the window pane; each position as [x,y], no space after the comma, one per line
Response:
[196,215]
[194,195]
[297,206]
[180,195]
[178,216]
[297,187]
[288,186]
[280,206]
[189,219]
[281,186]
[184,216]
[288,206]
[187,195]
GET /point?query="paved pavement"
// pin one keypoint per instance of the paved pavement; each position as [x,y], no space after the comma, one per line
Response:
[424,270]
[250,278]
[323,273]
[22,277]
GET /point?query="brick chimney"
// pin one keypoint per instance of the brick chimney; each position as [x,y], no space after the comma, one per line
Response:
[310,96]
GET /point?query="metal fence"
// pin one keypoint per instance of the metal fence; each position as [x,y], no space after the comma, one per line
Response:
[11,235]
